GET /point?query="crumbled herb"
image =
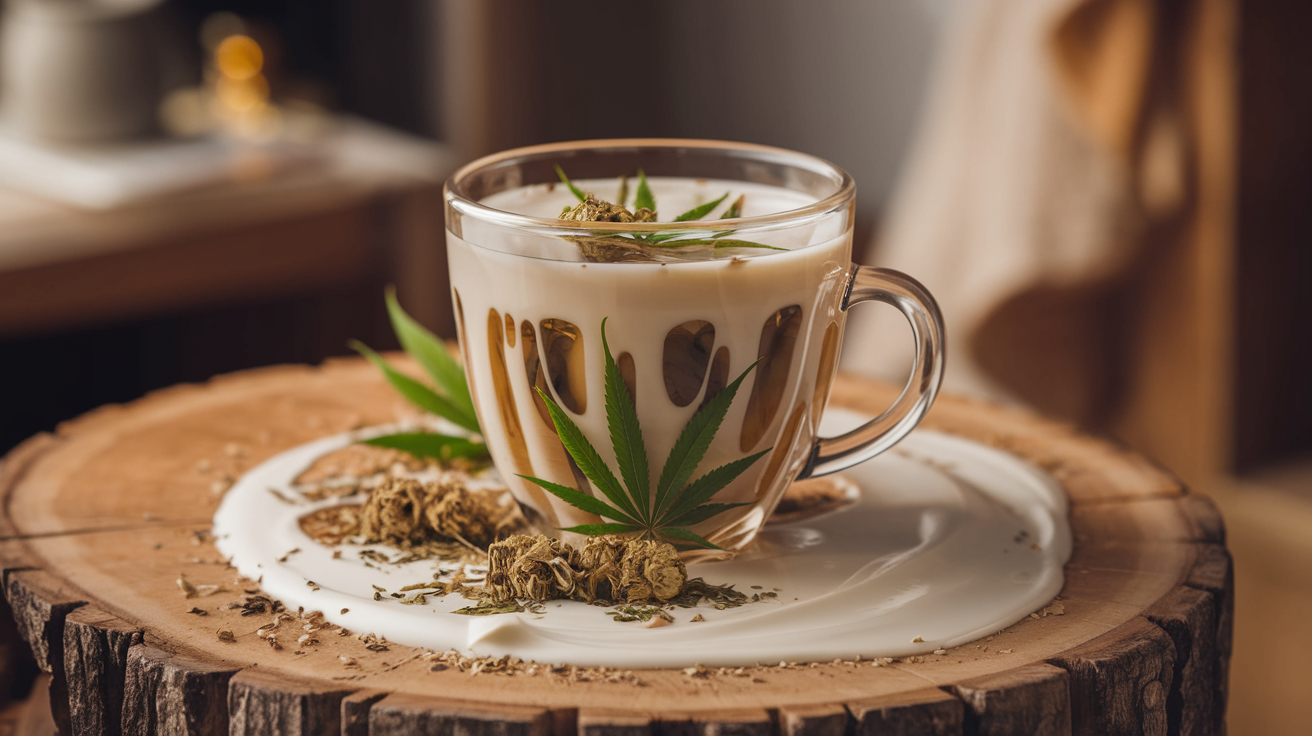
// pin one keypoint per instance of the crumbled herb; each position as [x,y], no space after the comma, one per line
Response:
[720,597]
[639,613]
[489,609]
[197,591]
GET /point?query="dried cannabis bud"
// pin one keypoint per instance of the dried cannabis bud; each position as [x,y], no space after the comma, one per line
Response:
[535,567]
[405,513]
[608,569]
[651,570]
[454,512]
[638,247]
[592,209]
[603,558]
[394,513]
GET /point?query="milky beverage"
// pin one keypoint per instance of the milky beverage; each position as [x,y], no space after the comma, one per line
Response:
[530,311]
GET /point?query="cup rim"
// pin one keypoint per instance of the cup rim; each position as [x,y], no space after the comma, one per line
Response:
[840,198]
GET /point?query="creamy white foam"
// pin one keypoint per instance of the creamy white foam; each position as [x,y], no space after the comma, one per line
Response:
[673,196]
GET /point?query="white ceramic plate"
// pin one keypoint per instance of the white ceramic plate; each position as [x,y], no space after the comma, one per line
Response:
[949,541]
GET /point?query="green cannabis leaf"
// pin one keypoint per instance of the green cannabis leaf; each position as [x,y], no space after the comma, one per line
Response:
[643,199]
[697,213]
[675,504]
[577,193]
[449,399]
[735,209]
[631,246]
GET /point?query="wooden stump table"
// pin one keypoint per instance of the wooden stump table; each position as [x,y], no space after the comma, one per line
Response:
[102,518]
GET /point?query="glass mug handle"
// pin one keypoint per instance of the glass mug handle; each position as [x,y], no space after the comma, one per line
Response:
[832,454]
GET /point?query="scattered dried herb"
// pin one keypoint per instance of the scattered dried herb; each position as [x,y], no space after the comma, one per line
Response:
[640,613]
[254,604]
[197,591]
[488,608]
[719,597]
[675,504]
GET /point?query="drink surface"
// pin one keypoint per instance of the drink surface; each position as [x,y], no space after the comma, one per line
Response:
[530,316]
[673,195]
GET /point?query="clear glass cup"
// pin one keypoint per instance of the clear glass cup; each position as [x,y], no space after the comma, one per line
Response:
[530,310]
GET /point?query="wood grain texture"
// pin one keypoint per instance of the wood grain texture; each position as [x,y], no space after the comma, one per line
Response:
[930,711]
[1120,682]
[612,722]
[116,502]
[1213,571]
[96,646]
[355,711]
[1205,517]
[167,693]
[40,602]
[814,720]
[408,715]
[1033,699]
[263,704]
[718,722]
[1188,616]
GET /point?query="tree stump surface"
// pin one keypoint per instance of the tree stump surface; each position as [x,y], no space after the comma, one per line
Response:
[102,517]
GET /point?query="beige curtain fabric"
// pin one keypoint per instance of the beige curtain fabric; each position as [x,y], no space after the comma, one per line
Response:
[1038,164]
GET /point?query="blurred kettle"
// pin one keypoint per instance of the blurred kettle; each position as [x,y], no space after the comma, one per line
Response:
[82,71]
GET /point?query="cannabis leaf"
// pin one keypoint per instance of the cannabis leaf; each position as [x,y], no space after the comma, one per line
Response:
[675,504]
[577,192]
[697,213]
[644,200]
[630,242]
[449,400]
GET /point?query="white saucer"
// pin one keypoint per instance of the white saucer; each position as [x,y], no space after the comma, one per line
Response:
[949,541]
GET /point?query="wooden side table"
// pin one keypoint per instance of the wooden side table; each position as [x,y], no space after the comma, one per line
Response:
[371,208]
[102,517]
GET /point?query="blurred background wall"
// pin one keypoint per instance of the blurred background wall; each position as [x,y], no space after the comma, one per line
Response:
[349,115]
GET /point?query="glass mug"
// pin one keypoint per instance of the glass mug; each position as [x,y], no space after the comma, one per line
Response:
[529,311]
